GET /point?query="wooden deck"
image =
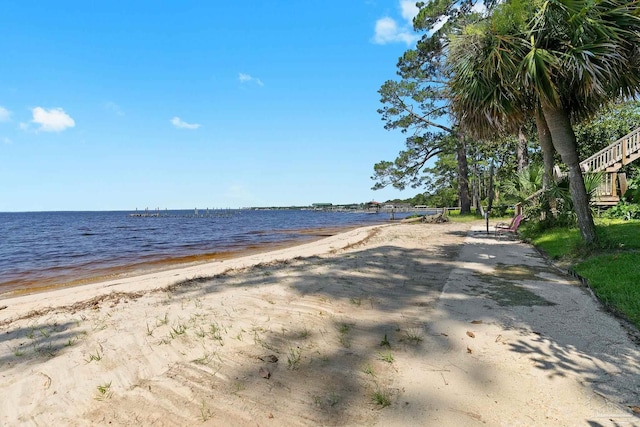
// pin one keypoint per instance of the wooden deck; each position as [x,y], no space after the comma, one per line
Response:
[610,160]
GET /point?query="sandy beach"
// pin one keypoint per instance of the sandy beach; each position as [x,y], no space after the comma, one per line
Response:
[399,324]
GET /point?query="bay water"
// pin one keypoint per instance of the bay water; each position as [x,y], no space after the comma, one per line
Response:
[42,250]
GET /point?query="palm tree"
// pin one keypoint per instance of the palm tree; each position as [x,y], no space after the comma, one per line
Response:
[525,182]
[556,59]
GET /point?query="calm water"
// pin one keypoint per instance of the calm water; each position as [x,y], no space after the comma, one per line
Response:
[41,249]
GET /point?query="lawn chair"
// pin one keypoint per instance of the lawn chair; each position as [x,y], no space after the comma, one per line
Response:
[512,227]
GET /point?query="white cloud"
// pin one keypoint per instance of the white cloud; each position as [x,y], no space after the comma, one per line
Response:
[181,124]
[7,140]
[409,10]
[53,120]
[244,78]
[5,115]
[388,30]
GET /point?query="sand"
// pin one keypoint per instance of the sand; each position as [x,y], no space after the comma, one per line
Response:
[384,325]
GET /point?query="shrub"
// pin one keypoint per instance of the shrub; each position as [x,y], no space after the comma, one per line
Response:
[624,210]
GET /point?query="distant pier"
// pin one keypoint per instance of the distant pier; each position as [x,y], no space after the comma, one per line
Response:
[209,213]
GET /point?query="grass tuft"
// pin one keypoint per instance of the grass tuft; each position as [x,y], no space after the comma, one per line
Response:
[293,358]
[382,398]
[94,357]
[386,356]
[385,342]
[104,391]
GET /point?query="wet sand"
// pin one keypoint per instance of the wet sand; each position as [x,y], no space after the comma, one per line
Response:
[61,278]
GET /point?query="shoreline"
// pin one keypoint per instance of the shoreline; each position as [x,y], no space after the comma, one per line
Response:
[387,325]
[86,277]
[157,279]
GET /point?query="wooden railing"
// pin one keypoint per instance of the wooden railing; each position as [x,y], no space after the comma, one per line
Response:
[611,158]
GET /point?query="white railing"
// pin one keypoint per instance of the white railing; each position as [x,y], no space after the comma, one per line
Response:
[614,154]
[609,159]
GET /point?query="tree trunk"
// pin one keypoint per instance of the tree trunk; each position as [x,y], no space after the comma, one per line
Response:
[564,141]
[463,176]
[491,194]
[547,149]
[522,152]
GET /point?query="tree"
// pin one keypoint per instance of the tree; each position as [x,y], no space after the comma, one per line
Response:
[561,59]
[606,126]
[407,167]
[414,104]
[418,103]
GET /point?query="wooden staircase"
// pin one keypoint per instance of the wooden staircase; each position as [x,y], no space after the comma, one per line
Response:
[610,159]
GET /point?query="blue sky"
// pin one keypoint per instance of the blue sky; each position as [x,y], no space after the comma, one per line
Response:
[112,105]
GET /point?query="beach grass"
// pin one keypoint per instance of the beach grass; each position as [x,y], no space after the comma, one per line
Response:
[94,357]
[412,337]
[104,391]
[381,398]
[386,356]
[293,358]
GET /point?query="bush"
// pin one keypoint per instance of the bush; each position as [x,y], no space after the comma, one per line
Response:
[633,191]
[501,210]
[624,210]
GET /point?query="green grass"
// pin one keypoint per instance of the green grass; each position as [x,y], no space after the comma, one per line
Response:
[386,357]
[610,266]
[558,242]
[454,216]
[94,357]
[104,391]
[385,342]
[614,279]
[381,398]
[620,234]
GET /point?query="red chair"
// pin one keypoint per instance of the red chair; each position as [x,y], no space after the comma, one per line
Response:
[512,227]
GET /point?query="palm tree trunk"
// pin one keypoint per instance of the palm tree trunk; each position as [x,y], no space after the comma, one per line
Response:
[463,176]
[522,153]
[547,148]
[564,141]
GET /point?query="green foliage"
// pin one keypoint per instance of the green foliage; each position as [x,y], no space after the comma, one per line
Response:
[444,197]
[408,167]
[556,242]
[619,234]
[614,279]
[523,184]
[624,210]
[416,104]
[501,210]
[633,191]
[456,216]
[555,205]
[562,58]
[608,125]
[382,398]
[511,16]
